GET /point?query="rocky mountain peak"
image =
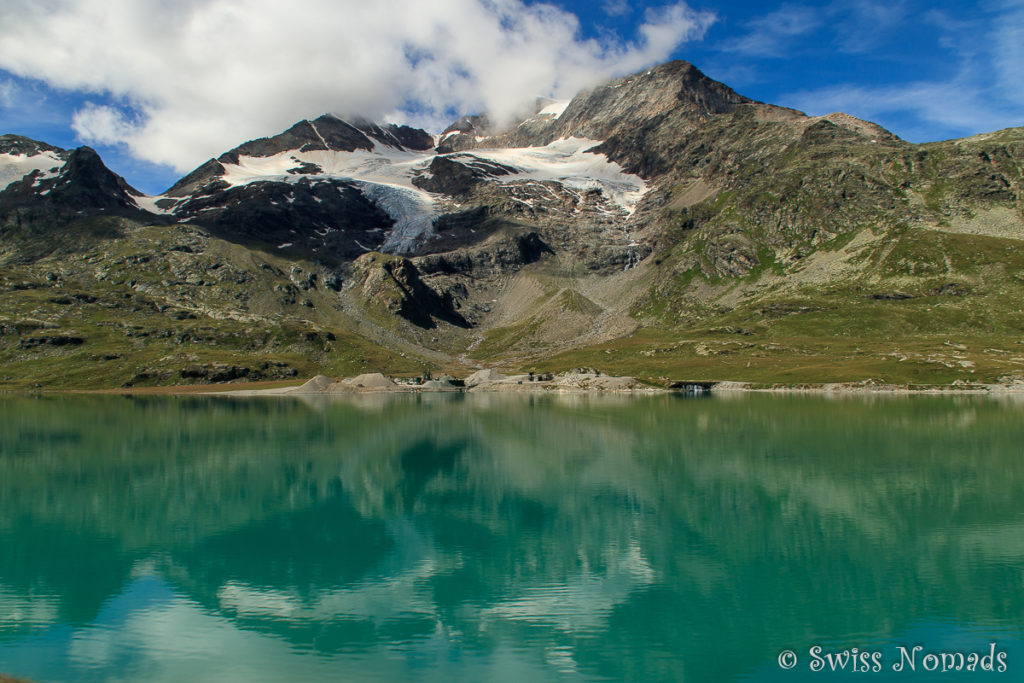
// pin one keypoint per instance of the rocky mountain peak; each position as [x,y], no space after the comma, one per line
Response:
[328,132]
[473,126]
[332,133]
[675,89]
[22,158]
[61,182]
[86,182]
[22,146]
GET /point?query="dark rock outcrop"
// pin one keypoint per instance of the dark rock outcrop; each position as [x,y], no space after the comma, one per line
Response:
[456,174]
[329,219]
[83,184]
[393,285]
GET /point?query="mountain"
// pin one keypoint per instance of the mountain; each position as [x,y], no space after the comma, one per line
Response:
[661,225]
[37,176]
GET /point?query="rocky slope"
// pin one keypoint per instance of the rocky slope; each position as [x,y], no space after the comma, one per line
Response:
[660,225]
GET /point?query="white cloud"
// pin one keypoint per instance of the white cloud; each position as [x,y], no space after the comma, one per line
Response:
[616,8]
[774,33]
[851,26]
[7,92]
[865,25]
[1008,48]
[102,124]
[984,90]
[950,108]
[205,75]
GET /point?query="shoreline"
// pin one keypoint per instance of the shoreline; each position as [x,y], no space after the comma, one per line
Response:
[858,388]
[564,383]
[489,381]
[595,383]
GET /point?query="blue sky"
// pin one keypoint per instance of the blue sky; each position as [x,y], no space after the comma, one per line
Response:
[159,87]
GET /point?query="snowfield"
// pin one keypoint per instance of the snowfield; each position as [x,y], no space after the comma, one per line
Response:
[555,109]
[14,167]
[148,203]
[566,161]
[385,174]
[412,211]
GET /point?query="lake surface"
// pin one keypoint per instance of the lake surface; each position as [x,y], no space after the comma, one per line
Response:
[508,538]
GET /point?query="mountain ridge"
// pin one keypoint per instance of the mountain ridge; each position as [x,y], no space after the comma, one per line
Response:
[660,224]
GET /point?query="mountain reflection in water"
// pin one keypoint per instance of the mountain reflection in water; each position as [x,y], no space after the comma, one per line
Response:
[491,537]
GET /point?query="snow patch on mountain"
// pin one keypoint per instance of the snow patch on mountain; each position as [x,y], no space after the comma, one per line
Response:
[14,167]
[149,203]
[385,174]
[383,165]
[567,161]
[555,109]
[412,211]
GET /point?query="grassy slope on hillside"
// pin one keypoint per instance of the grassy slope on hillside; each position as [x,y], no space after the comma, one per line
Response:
[163,305]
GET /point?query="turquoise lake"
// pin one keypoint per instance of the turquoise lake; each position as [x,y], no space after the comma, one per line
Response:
[509,538]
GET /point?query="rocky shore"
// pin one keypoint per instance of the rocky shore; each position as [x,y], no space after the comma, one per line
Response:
[588,380]
[489,380]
